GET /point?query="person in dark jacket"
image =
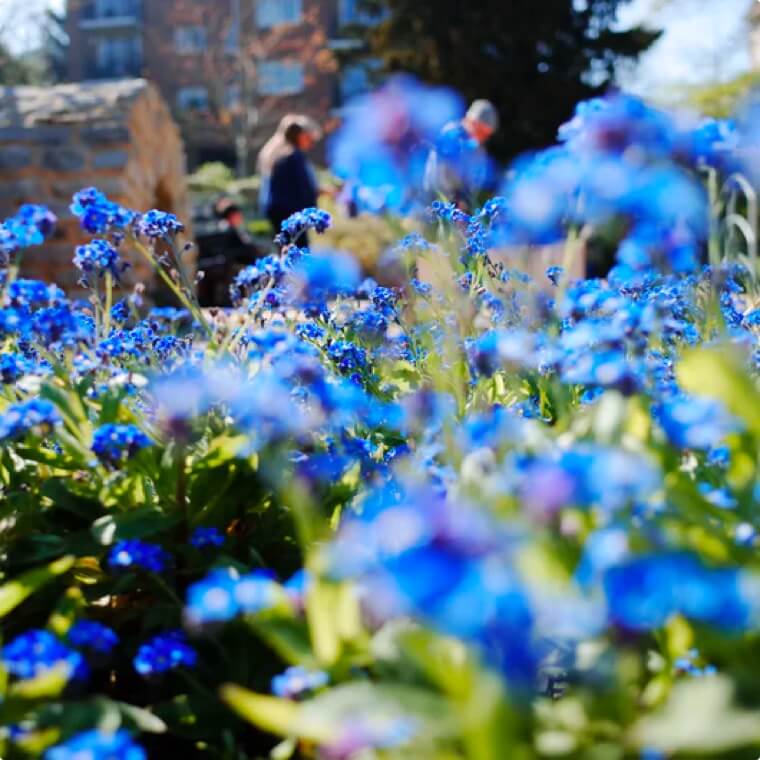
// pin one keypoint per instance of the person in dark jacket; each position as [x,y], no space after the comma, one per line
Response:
[292,184]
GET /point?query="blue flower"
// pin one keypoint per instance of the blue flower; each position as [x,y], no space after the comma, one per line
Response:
[97,745]
[203,537]
[310,331]
[163,653]
[98,257]
[296,224]
[156,224]
[369,325]
[297,680]
[12,367]
[385,300]
[36,651]
[644,592]
[382,146]
[31,225]
[34,294]
[97,214]
[587,475]
[89,634]
[223,595]
[347,356]
[114,444]
[320,276]
[39,416]
[133,553]
[120,312]
[695,423]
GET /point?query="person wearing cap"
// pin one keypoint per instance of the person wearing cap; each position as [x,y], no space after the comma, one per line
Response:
[458,167]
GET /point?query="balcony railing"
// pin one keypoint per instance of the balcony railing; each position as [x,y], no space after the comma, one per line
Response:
[110,14]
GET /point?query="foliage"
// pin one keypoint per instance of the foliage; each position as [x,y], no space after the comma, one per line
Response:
[534,66]
[467,518]
[722,100]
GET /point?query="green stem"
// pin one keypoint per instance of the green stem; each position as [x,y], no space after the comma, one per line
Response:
[167,589]
[108,306]
[183,299]
[181,491]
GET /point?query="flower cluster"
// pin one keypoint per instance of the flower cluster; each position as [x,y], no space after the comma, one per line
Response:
[297,681]
[163,653]
[97,258]
[133,553]
[32,225]
[531,502]
[36,651]
[37,416]
[114,444]
[157,224]
[97,745]
[308,219]
[224,594]
[97,214]
[90,635]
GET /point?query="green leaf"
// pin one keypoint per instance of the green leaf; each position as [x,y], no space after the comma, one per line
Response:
[142,719]
[47,685]
[334,619]
[289,638]
[16,591]
[719,373]
[699,718]
[277,716]
[326,716]
[137,524]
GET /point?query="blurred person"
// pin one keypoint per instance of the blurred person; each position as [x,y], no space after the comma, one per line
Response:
[458,167]
[223,251]
[268,154]
[232,221]
[289,183]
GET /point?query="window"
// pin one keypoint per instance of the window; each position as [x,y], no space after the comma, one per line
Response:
[115,8]
[118,56]
[192,99]
[350,12]
[232,39]
[190,39]
[273,12]
[354,81]
[280,77]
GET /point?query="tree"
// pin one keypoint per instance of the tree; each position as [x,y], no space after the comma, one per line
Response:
[534,60]
[32,42]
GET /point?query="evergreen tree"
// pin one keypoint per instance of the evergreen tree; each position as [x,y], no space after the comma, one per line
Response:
[535,59]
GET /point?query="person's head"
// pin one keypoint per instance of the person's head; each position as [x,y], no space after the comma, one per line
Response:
[302,133]
[481,120]
[229,211]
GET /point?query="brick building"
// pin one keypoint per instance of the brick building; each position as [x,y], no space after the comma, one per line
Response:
[227,67]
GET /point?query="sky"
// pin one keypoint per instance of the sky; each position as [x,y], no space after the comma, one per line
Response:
[703,40]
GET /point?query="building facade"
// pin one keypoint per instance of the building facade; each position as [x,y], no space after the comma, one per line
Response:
[230,69]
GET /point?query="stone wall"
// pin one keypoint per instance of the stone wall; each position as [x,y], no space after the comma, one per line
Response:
[118,136]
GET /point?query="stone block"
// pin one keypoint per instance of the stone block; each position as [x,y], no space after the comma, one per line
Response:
[106,134]
[40,135]
[112,159]
[64,160]
[15,157]
[21,189]
[65,189]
